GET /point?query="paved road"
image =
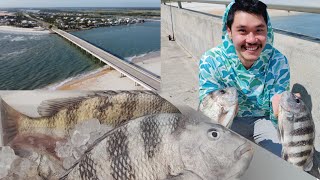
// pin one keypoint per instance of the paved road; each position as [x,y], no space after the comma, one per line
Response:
[147,80]
[44,24]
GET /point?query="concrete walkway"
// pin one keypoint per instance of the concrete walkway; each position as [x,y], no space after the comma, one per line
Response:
[179,74]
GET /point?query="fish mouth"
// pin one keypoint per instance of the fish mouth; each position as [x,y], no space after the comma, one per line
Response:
[228,115]
[228,109]
[243,156]
[245,148]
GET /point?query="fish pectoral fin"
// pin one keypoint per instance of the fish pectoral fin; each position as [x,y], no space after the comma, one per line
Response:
[309,164]
[52,106]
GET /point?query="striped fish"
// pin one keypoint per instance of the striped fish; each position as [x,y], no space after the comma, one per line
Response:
[221,106]
[59,116]
[165,146]
[296,129]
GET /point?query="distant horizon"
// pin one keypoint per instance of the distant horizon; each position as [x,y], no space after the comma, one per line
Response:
[146,7]
[6,4]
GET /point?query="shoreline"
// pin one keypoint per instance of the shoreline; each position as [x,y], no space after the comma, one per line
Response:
[90,28]
[13,29]
[106,78]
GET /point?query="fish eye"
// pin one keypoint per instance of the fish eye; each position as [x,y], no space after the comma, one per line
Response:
[222,91]
[213,134]
[297,100]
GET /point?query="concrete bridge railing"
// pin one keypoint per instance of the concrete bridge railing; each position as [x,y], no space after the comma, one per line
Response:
[197,32]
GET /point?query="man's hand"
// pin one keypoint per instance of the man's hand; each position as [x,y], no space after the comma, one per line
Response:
[276,100]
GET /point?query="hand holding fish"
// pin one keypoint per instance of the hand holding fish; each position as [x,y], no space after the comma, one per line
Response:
[275,102]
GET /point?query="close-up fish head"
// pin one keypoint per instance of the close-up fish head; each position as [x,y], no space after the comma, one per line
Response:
[221,105]
[291,103]
[227,98]
[213,152]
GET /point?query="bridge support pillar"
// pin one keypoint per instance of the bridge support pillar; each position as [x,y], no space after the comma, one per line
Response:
[122,75]
[136,84]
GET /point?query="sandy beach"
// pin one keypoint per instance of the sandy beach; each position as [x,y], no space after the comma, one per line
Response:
[12,29]
[109,79]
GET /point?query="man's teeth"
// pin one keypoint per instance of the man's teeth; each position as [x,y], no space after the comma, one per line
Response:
[252,48]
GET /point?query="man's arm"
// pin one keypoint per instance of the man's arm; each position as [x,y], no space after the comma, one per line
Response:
[209,78]
[281,84]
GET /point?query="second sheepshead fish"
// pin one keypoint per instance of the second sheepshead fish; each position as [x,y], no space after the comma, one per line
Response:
[221,106]
[58,116]
[165,146]
[296,129]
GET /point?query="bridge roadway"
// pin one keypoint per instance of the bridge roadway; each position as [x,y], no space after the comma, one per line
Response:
[143,78]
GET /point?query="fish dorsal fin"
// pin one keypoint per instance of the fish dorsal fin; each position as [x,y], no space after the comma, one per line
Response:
[52,106]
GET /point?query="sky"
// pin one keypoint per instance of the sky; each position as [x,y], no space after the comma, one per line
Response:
[79,3]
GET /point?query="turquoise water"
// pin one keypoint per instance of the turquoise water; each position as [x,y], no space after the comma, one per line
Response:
[306,24]
[126,41]
[33,61]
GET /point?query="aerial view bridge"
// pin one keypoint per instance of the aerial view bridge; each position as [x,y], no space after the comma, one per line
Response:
[141,77]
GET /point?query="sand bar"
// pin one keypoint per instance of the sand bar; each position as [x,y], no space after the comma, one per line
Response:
[12,29]
[108,79]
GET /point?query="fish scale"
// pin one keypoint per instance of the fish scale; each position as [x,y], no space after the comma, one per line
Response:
[152,148]
[151,136]
[87,168]
[118,151]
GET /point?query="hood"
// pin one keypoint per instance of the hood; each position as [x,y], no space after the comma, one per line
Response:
[260,66]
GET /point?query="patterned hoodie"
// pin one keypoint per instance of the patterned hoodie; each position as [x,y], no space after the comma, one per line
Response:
[220,67]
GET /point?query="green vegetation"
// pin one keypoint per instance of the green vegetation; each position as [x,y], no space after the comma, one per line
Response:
[137,13]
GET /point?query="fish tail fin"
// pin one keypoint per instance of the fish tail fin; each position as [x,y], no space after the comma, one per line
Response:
[9,118]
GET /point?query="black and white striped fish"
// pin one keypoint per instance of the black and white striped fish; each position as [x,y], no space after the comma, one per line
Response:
[165,146]
[296,129]
[59,116]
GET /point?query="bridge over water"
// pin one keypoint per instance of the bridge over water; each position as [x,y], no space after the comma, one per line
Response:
[138,75]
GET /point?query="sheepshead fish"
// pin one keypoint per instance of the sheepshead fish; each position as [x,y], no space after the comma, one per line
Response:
[58,116]
[162,146]
[296,129]
[221,106]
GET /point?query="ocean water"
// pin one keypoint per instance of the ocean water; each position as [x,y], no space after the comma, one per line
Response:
[125,41]
[34,61]
[305,24]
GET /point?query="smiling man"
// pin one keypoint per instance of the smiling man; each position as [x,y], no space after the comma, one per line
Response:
[248,61]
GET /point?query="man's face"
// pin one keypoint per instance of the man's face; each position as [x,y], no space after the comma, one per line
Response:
[249,35]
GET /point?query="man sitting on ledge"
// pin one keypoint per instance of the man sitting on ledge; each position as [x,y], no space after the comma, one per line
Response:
[248,61]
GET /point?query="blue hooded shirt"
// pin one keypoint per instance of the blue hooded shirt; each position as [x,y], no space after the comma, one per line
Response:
[220,67]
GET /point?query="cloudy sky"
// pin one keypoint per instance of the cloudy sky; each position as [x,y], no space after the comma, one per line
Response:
[79,3]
